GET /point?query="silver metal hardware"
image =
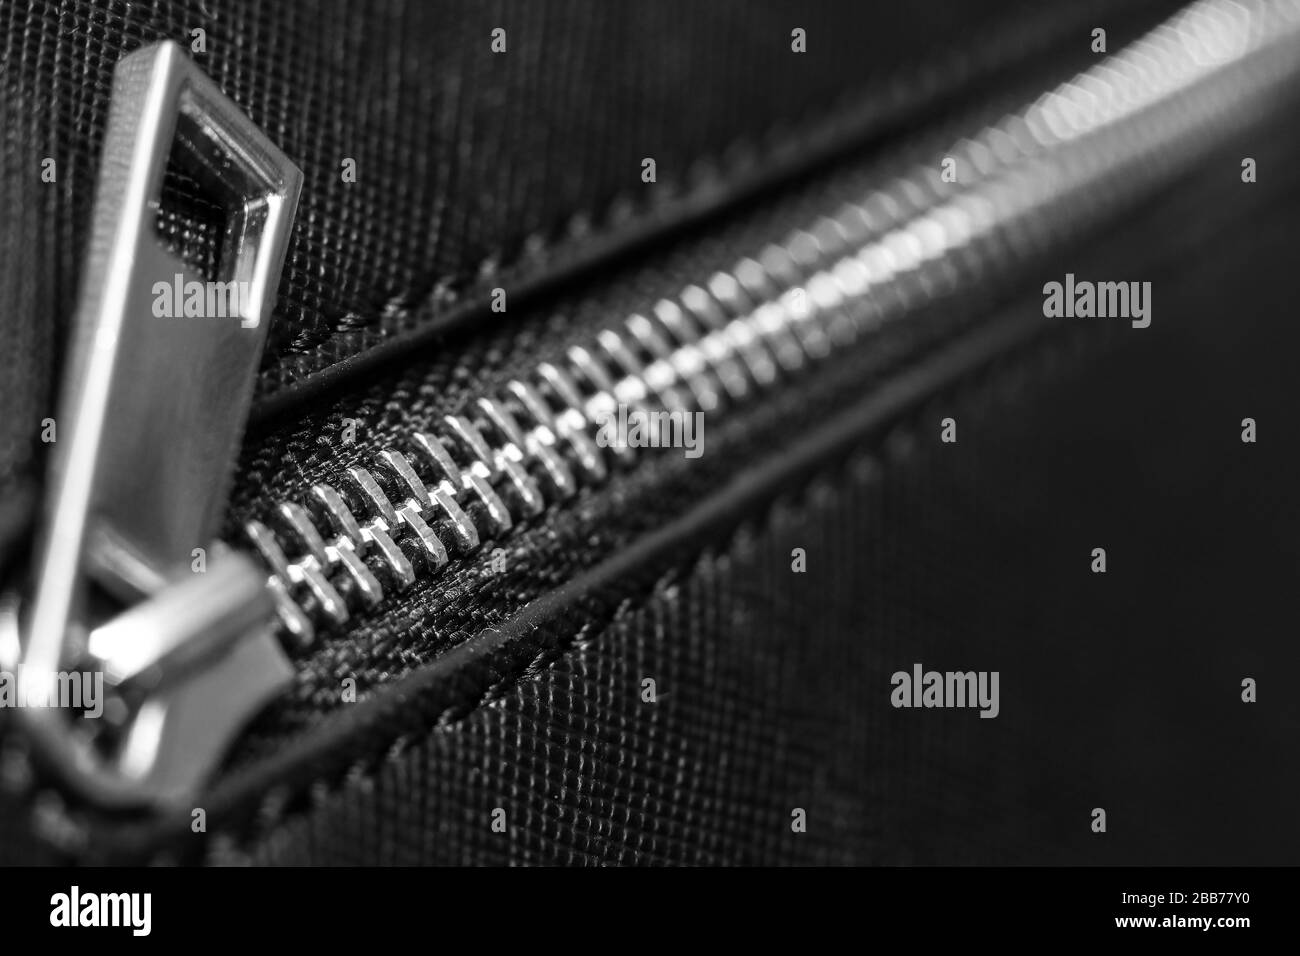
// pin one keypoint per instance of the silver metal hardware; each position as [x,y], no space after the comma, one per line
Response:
[152,414]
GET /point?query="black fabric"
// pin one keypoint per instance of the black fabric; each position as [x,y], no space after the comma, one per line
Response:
[26,277]
[472,167]
[442,610]
[767,699]
[1119,691]
[438,612]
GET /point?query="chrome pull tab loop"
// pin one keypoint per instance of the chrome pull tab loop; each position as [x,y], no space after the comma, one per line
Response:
[154,405]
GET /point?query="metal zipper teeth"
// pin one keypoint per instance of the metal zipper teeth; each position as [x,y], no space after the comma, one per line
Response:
[1064,162]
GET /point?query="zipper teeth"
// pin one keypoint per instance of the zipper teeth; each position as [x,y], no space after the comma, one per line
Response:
[1065,161]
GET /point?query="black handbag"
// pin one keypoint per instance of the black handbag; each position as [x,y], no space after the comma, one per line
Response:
[662,433]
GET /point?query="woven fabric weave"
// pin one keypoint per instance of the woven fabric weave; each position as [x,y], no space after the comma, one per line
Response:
[1118,690]
[471,166]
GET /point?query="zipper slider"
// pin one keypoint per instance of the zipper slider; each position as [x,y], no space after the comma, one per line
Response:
[151,418]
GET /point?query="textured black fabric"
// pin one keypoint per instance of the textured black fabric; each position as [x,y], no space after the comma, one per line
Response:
[764,708]
[29,346]
[474,167]
[1119,691]
[439,612]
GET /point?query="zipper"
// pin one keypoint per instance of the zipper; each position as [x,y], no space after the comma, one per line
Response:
[464,483]
[151,418]
[193,657]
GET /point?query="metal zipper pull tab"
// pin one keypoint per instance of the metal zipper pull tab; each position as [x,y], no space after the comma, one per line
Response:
[151,418]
